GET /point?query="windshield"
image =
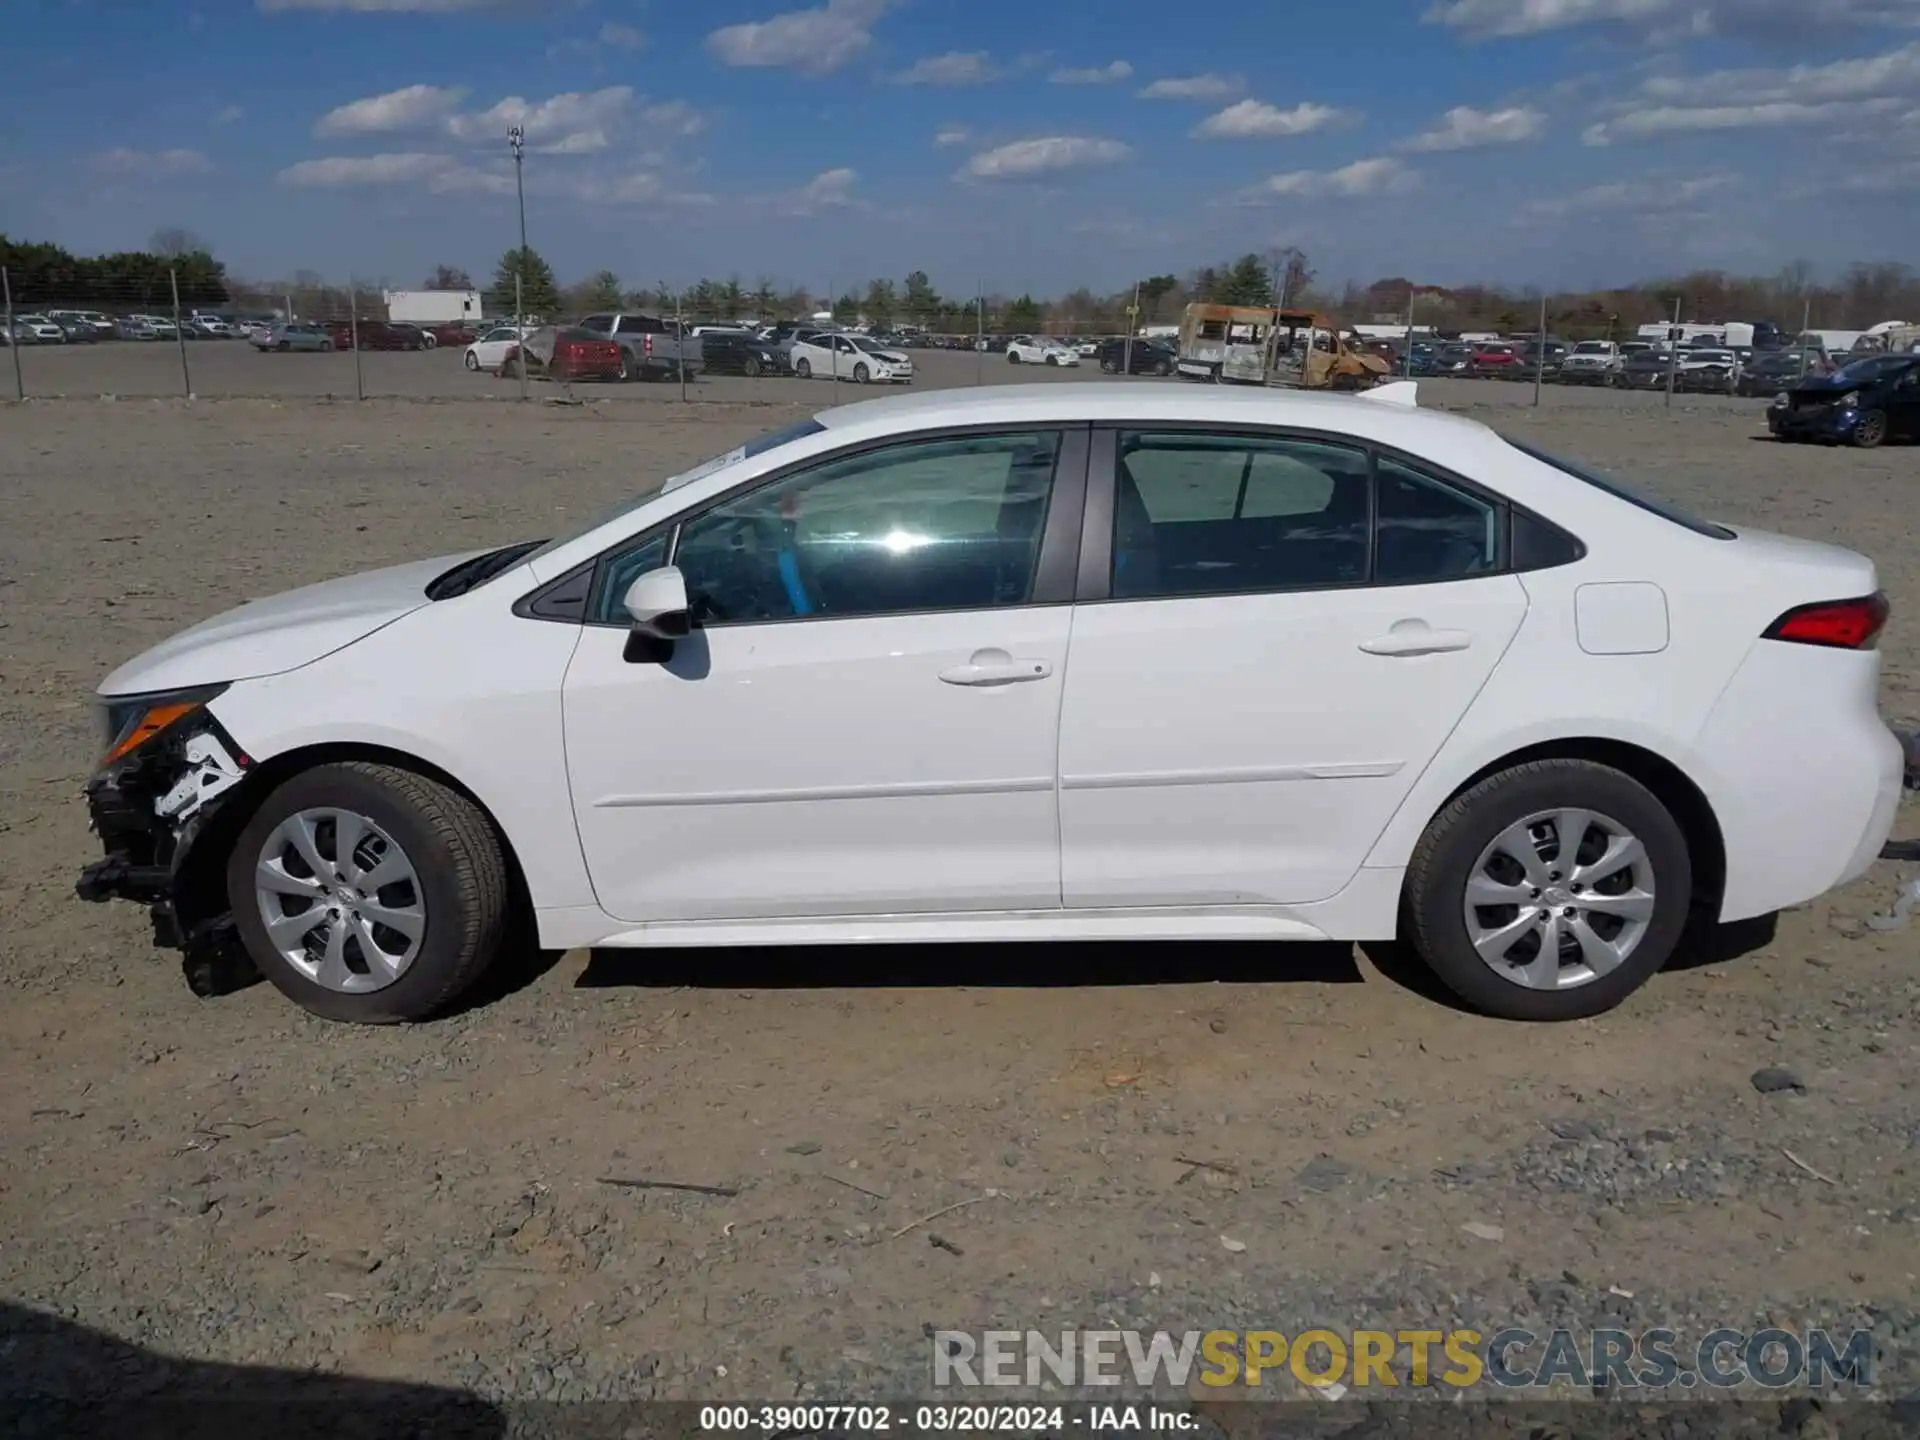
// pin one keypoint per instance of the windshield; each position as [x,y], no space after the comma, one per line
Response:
[1620,490]
[772,440]
[1591,347]
[1861,371]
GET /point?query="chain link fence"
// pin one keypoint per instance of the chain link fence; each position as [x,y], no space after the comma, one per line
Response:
[315,341]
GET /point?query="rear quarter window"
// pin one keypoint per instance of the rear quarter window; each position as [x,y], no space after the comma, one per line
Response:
[1621,490]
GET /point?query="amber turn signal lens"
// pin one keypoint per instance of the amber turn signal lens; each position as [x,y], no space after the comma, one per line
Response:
[156,719]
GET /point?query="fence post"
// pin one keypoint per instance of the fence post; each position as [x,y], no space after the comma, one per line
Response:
[980,335]
[1539,354]
[680,345]
[520,322]
[353,339]
[180,333]
[1673,350]
[13,340]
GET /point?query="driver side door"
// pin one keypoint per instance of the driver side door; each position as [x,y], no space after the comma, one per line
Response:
[866,719]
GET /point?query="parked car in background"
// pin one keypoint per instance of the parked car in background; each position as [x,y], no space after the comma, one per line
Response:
[738,352]
[1496,360]
[134,327]
[1454,360]
[1089,349]
[489,351]
[296,336]
[1547,359]
[101,325]
[1039,350]
[375,335]
[1591,362]
[655,348]
[38,330]
[1136,357]
[1775,370]
[1645,370]
[77,331]
[565,353]
[211,327]
[1867,403]
[455,334]
[163,327]
[1704,370]
[849,357]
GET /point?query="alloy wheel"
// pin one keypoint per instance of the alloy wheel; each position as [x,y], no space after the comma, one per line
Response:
[340,900]
[1559,899]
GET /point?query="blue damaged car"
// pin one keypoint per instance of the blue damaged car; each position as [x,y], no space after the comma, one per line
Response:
[1865,403]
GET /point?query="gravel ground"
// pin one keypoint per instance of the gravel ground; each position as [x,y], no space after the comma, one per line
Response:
[204,1184]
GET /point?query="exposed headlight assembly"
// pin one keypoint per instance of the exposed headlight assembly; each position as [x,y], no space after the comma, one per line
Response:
[128,722]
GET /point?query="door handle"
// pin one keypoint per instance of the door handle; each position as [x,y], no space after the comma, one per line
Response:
[996,667]
[1412,637]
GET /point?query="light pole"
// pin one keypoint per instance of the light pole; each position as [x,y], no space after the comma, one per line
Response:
[517,142]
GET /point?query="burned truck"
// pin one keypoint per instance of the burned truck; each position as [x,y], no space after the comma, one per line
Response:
[1261,345]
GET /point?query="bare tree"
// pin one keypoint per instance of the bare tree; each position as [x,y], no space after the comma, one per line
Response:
[171,242]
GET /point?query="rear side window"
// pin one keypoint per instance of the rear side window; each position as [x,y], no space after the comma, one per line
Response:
[1621,490]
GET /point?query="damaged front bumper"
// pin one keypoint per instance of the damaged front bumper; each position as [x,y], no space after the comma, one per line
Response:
[151,808]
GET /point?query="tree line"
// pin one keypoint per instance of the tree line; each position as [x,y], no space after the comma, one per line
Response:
[40,275]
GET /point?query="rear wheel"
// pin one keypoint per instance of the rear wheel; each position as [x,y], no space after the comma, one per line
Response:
[1550,891]
[472,362]
[326,345]
[1870,431]
[1108,367]
[368,893]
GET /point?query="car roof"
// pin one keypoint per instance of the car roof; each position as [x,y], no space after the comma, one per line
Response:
[1116,402]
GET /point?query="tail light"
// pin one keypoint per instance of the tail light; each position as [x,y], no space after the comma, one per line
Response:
[1836,624]
[648,341]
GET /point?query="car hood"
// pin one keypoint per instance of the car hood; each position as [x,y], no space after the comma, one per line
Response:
[281,632]
[893,357]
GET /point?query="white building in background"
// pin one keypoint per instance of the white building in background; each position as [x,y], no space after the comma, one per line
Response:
[432,307]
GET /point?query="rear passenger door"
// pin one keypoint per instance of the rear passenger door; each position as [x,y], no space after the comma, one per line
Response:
[1274,637]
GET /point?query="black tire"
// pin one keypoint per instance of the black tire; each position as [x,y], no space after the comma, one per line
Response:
[454,853]
[472,361]
[750,367]
[1435,917]
[283,345]
[326,346]
[1870,430]
[1163,369]
[861,374]
[803,368]
[625,376]
[1012,359]
[1108,367]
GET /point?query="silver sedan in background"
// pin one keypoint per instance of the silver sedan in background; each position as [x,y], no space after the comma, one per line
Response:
[297,336]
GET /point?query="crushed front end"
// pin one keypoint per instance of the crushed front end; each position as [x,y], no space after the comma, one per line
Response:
[169,767]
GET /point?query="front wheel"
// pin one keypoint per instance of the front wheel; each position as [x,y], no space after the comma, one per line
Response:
[1870,431]
[1053,360]
[472,361]
[1108,367]
[368,893]
[803,369]
[326,345]
[1012,359]
[283,346]
[1163,369]
[1550,891]
[750,367]
[861,374]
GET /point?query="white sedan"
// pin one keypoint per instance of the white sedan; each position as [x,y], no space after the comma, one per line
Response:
[489,352]
[849,357]
[1026,663]
[1029,350]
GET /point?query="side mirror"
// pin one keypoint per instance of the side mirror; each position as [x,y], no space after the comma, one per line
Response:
[657,604]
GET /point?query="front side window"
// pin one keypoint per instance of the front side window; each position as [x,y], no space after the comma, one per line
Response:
[1226,514]
[952,524]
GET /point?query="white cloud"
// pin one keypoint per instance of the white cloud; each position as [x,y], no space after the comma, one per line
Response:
[1465,128]
[1644,196]
[410,108]
[676,117]
[228,115]
[1670,19]
[1196,87]
[1380,175]
[814,42]
[956,67]
[829,187]
[546,122]
[621,37]
[385,7]
[1257,119]
[1740,99]
[952,135]
[404,168]
[1026,158]
[1097,75]
[580,142]
[150,164]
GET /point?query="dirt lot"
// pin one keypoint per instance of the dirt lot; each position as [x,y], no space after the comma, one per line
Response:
[231,1181]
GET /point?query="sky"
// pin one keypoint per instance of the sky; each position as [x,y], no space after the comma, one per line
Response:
[1011,145]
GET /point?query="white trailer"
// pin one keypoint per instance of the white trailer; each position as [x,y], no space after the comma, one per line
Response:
[432,307]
